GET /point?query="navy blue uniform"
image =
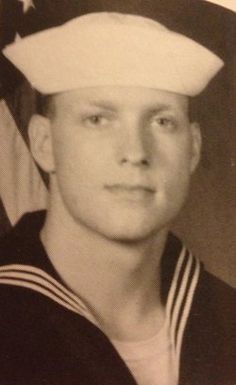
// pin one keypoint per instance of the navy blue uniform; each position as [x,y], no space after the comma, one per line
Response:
[45,340]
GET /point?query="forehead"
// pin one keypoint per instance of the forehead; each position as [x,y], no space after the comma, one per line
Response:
[120,98]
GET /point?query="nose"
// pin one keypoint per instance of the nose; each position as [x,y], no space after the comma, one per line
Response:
[134,146]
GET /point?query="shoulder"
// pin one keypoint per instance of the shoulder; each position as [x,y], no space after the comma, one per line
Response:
[209,343]
[217,299]
[215,304]
[19,249]
[21,285]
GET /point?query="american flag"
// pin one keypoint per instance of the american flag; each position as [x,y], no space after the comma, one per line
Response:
[22,187]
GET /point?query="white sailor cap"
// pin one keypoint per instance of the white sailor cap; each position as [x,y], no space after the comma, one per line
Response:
[113,49]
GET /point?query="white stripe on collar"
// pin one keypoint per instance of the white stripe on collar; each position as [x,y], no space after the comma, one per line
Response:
[38,280]
[180,298]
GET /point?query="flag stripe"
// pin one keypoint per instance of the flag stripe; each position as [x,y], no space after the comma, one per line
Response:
[21,104]
[21,186]
[5,224]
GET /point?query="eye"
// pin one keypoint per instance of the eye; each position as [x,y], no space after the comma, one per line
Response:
[164,122]
[96,120]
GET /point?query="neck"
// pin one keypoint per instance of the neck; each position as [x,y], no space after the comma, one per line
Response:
[111,274]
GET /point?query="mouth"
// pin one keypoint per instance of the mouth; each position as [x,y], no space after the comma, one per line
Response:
[136,192]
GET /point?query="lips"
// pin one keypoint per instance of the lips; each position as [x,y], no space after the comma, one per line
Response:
[134,192]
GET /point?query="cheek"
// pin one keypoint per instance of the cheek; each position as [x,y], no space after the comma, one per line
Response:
[174,164]
[79,160]
[175,151]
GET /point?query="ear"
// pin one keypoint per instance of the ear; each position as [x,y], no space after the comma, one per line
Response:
[41,142]
[196,145]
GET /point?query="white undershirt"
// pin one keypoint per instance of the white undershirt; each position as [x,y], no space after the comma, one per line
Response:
[150,361]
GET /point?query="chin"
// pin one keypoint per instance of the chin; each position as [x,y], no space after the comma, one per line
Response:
[126,225]
[130,238]
[132,233]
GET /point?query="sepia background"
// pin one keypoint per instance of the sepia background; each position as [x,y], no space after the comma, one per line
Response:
[208,221]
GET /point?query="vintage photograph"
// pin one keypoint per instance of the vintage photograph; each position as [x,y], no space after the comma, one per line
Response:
[117,192]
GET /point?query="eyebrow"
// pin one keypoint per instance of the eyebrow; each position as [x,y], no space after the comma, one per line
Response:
[102,104]
[154,108]
[162,108]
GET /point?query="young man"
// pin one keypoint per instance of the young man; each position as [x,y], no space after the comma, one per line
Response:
[97,291]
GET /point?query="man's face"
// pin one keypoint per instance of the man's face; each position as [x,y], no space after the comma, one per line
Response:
[123,157]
